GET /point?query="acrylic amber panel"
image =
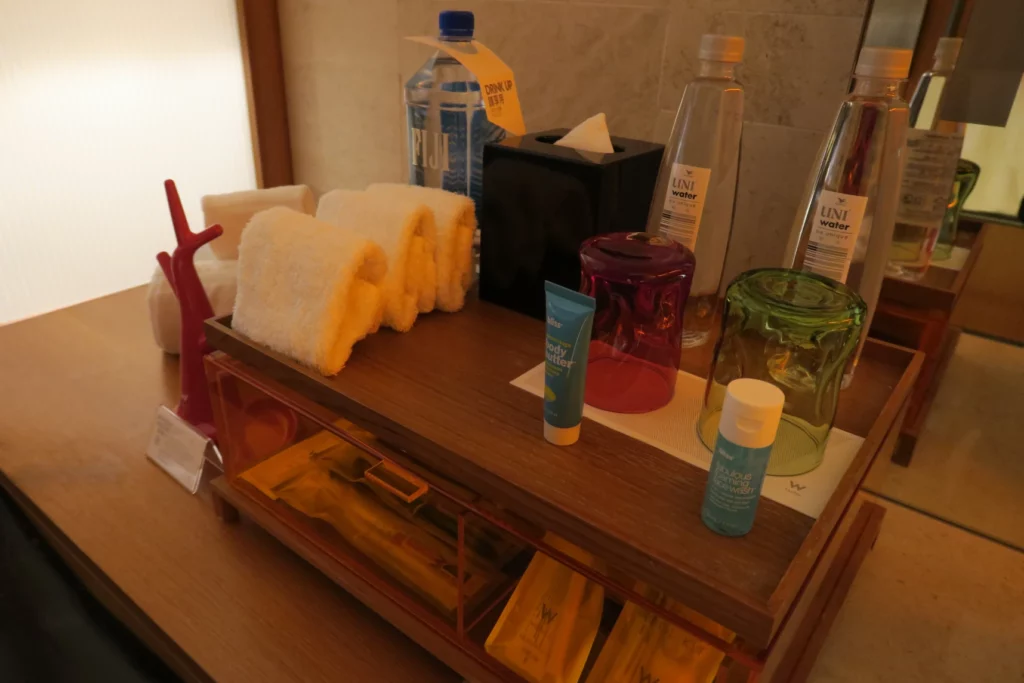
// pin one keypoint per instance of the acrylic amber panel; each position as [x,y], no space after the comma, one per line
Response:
[321,476]
[251,426]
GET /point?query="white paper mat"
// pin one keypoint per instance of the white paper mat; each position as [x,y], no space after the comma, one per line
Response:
[673,429]
[956,260]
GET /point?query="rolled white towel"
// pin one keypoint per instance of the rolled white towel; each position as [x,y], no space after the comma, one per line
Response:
[219,280]
[404,228]
[455,218]
[232,212]
[307,289]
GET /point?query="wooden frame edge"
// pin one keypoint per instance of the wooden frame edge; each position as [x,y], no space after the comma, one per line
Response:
[259,32]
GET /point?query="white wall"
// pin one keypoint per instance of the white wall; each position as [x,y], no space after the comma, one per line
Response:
[100,101]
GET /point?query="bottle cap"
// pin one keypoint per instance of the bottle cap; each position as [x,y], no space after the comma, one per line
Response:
[455,24]
[946,52]
[884,62]
[561,436]
[751,413]
[718,48]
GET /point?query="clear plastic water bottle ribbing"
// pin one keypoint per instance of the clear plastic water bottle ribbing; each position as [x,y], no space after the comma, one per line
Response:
[446,122]
[696,189]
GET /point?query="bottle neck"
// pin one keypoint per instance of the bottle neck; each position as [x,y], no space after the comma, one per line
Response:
[873,86]
[454,39]
[710,69]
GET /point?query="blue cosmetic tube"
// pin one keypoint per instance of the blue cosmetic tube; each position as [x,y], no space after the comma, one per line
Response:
[570,317]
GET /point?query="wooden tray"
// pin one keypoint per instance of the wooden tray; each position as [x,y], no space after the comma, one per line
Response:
[440,395]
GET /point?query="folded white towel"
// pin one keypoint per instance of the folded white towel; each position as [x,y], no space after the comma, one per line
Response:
[455,218]
[232,212]
[218,278]
[405,231]
[307,289]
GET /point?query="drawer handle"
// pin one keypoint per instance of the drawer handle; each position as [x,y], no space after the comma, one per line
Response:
[403,485]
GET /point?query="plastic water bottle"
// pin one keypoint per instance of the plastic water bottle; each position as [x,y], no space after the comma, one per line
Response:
[844,227]
[447,125]
[933,150]
[696,189]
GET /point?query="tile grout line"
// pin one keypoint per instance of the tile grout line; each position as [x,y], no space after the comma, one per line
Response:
[661,69]
[995,338]
[803,129]
[947,522]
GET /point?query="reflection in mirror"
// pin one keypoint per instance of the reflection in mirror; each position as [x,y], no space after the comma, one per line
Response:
[958,454]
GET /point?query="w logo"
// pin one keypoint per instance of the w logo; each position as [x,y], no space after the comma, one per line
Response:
[547,615]
[796,487]
[646,677]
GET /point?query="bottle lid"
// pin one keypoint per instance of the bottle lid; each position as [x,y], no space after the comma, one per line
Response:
[455,24]
[561,436]
[751,413]
[884,62]
[715,47]
[946,52]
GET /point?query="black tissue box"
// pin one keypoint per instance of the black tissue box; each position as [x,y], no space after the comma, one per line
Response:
[541,201]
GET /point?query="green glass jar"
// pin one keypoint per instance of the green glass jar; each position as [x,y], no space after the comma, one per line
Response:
[796,330]
[966,178]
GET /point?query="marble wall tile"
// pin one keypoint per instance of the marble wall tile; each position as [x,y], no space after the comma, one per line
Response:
[796,67]
[346,64]
[688,21]
[351,136]
[663,125]
[570,62]
[799,67]
[775,163]
[343,104]
[621,3]
[848,8]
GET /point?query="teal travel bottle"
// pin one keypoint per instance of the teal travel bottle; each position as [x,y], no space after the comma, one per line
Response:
[746,432]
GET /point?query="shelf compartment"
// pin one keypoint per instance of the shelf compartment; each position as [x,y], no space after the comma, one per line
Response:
[437,402]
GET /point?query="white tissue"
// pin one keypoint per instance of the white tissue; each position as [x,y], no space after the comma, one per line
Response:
[590,136]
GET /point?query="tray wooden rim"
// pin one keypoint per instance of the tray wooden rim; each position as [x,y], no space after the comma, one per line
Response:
[754,619]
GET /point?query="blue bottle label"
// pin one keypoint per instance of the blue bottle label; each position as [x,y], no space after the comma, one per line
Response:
[734,487]
[449,153]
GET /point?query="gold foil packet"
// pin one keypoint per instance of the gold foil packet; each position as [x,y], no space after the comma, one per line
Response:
[548,627]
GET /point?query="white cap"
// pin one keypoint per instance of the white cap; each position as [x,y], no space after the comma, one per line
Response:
[946,53]
[884,62]
[751,413]
[719,48]
[561,436]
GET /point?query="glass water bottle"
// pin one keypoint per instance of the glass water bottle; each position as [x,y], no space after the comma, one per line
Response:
[844,227]
[693,198]
[933,148]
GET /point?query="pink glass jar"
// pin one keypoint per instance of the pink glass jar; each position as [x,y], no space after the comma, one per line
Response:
[641,282]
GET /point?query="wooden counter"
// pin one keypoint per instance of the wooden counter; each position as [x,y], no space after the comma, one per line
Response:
[80,388]
[230,603]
